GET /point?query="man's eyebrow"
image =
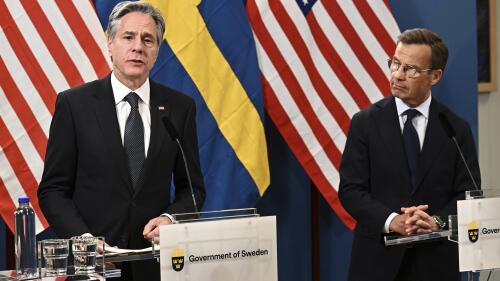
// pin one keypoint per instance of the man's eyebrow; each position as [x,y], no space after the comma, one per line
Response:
[130,33]
[145,34]
[407,64]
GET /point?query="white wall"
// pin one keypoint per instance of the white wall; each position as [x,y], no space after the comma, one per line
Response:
[489,128]
[489,139]
[489,135]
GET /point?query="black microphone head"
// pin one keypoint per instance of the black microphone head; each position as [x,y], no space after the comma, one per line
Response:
[170,128]
[445,123]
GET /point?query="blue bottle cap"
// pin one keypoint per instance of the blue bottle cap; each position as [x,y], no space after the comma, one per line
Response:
[23,200]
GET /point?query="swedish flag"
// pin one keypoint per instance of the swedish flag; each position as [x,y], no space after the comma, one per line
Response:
[209,53]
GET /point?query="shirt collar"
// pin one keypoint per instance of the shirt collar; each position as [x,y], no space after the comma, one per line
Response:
[120,90]
[423,108]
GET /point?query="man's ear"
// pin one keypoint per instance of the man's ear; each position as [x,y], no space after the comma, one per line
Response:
[436,76]
[110,41]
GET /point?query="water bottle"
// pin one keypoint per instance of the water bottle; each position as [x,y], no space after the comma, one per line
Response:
[25,240]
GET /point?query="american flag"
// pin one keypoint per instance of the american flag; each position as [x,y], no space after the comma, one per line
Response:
[321,62]
[47,47]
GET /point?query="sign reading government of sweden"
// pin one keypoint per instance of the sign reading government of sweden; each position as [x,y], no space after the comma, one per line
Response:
[239,254]
[242,249]
[178,259]
[473,231]
[478,233]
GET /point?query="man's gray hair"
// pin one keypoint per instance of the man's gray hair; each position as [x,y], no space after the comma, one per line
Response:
[125,7]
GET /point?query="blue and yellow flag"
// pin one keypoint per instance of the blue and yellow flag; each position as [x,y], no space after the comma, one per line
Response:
[209,54]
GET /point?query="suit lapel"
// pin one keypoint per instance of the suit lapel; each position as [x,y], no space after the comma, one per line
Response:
[390,130]
[105,110]
[433,143]
[157,109]
[387,121]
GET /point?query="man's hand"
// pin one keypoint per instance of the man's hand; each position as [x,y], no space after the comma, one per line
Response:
[413,209]
[102,246]
[152,228]
[398,224]
[418,220]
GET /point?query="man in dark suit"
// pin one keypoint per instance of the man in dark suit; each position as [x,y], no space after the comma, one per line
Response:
[400,173]
[110,160]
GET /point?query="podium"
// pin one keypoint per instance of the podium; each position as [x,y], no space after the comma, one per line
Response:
[476,229]
[223,245]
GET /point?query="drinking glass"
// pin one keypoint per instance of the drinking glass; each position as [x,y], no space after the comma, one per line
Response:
[84,253]
[55,252]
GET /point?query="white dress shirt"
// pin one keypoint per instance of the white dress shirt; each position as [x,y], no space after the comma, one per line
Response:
[419,121]
[123,107]
[420,124]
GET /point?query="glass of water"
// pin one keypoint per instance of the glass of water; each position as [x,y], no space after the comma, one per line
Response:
[55,253]
[84,253]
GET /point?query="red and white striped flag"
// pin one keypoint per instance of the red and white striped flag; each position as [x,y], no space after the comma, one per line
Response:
[47,47]
[321,62]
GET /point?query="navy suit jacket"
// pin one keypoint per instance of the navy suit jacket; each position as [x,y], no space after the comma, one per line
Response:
[375,182]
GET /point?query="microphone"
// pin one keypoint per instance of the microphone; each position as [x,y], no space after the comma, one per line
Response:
[175,136]
[445,123]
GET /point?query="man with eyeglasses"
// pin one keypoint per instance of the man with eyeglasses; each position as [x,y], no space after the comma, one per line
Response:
[401,174]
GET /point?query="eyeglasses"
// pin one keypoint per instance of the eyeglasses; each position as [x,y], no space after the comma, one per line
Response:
[411,71]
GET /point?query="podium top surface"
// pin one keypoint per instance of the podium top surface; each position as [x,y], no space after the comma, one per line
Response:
[393,240]
[10,275]
[482,193]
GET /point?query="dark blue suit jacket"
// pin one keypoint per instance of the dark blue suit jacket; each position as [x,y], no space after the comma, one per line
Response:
[375,182]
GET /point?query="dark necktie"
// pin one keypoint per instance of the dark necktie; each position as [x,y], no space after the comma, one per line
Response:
[134,139]
[412,144]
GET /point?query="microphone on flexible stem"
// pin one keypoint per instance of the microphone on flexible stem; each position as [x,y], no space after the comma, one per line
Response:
[175,136]
[445,123]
